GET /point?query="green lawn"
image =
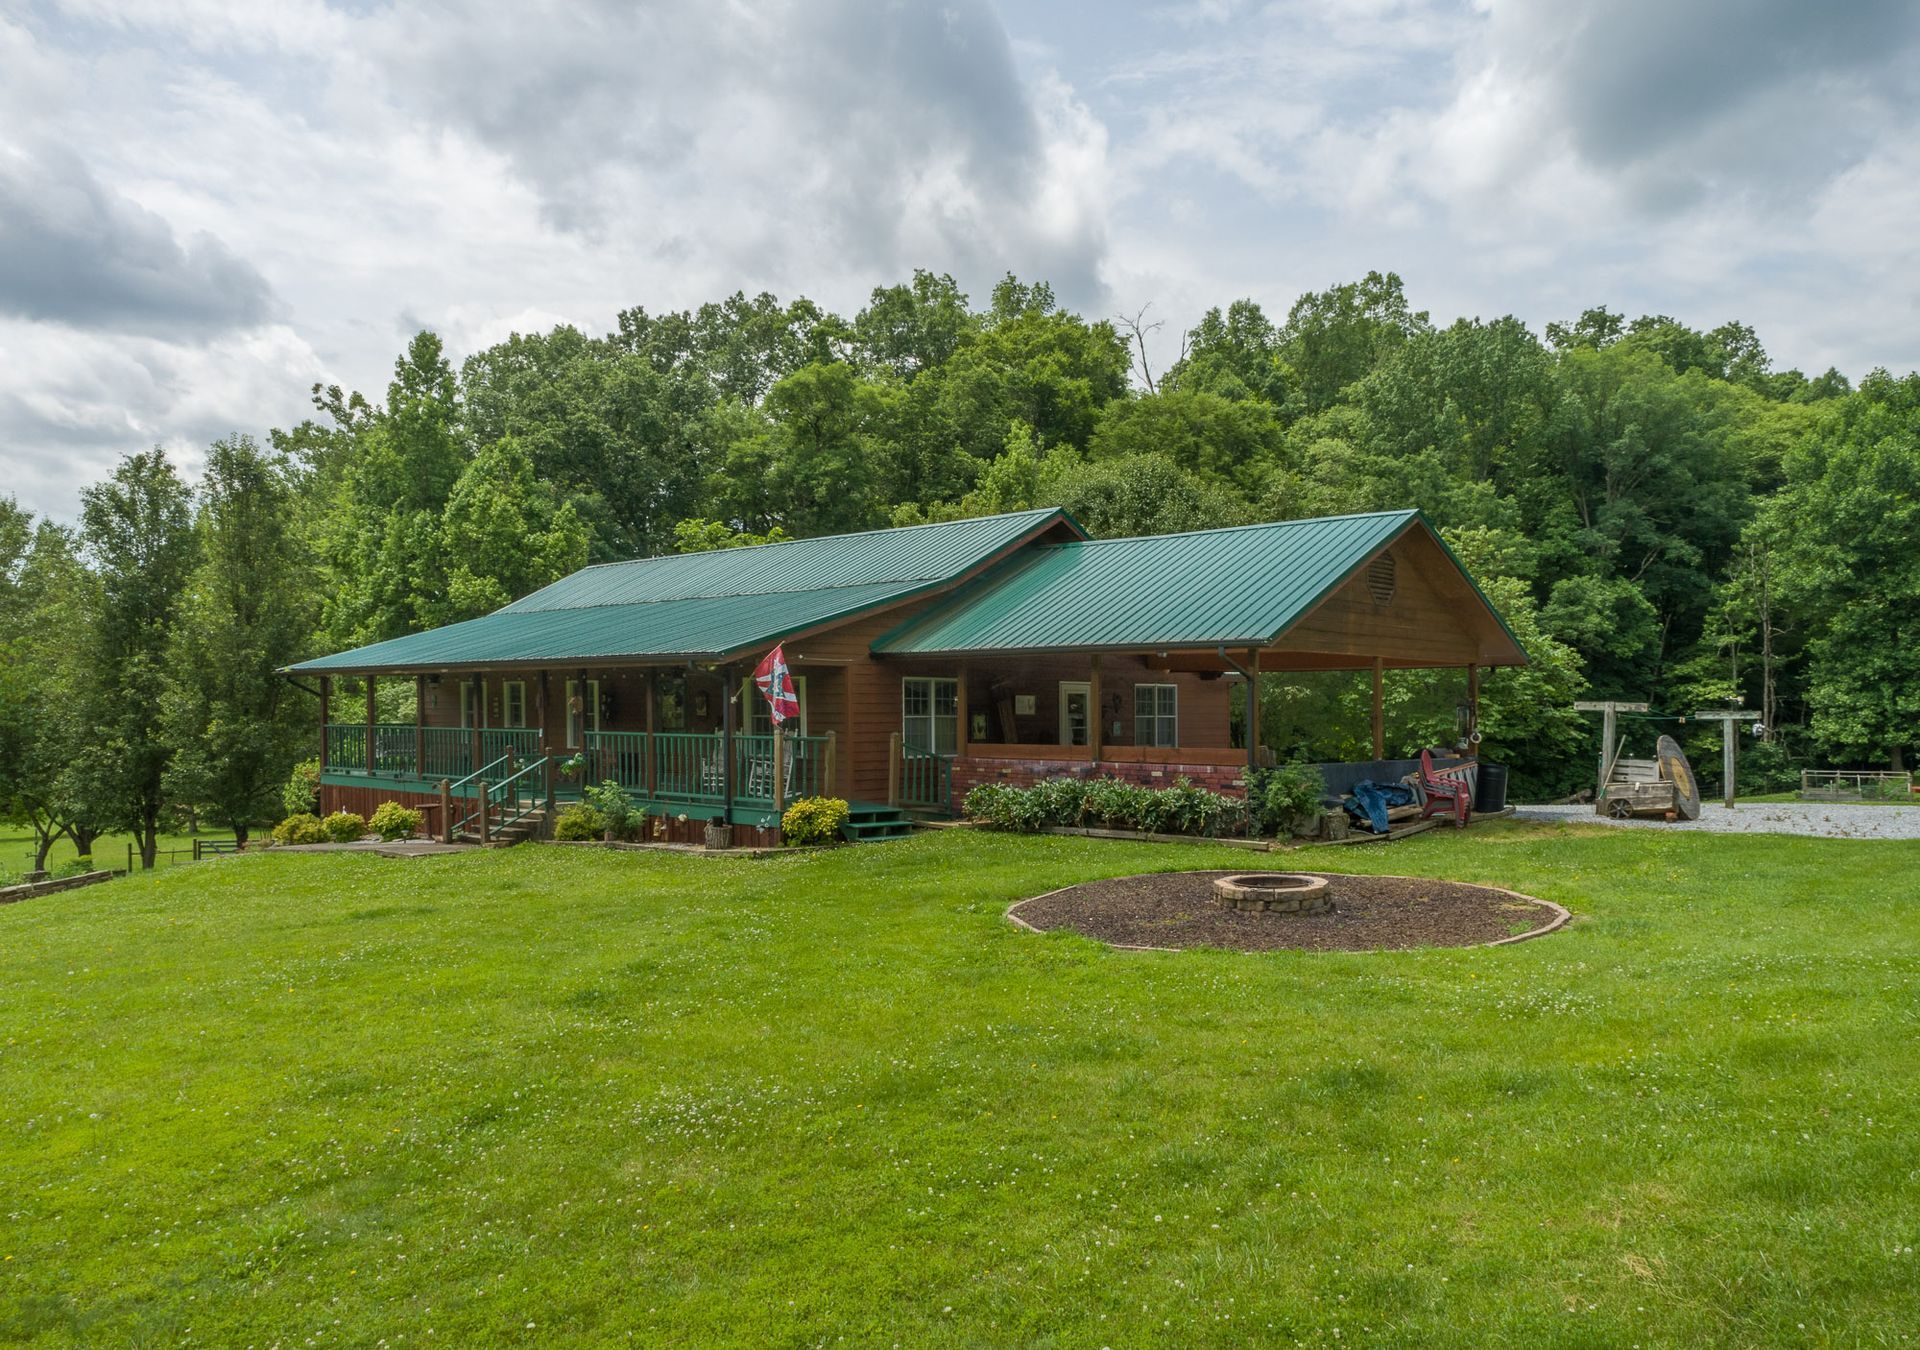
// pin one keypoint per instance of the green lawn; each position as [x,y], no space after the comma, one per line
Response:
[17,847]
[583,1095]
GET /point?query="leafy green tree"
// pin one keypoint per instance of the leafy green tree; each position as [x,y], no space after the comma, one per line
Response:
[909,329]
[46,686]
[617,433]
[1031,362]
[707,536]
[1613,627]
[1138,494]
[1234,443]
[382,544]
[503,536]
[1845,523]
[233,722]
[137,534]
[802,461]
[1333,338]
[1234,355]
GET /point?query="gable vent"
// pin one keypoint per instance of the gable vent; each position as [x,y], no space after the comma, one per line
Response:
[1382,572]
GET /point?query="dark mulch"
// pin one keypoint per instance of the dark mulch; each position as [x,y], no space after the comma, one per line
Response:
[1178,909]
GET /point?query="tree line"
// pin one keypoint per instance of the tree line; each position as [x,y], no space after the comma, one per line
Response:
[1657,511]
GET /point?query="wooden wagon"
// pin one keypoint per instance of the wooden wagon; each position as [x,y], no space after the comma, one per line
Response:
[1636,787]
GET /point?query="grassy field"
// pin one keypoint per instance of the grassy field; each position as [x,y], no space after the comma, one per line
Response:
[17,847]
[569,1094]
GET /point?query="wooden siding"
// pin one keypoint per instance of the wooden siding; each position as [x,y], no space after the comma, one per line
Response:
[1433,619]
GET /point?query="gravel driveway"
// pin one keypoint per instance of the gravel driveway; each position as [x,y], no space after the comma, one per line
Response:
[1829,820]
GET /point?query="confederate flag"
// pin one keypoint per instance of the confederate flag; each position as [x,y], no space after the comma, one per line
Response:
[776,682]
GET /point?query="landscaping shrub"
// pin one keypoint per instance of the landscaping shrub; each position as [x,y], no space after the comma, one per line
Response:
[1003,807]
[303,827]
[394,821]
[301,796]
[72,867]
[1282,795]
[344,827]
[1106,803]
[577,822]
[813,820]
[615,809]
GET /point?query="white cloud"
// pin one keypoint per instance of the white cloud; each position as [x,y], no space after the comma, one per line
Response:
[247,198]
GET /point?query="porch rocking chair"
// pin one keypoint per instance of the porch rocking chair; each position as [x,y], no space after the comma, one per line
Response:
[1446,790]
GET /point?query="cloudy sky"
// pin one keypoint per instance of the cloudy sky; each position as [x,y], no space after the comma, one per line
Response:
[207,206]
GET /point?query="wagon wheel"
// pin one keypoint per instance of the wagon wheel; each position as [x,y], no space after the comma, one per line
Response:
[1620,808]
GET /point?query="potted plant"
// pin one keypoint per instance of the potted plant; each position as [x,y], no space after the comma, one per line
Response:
[719,834]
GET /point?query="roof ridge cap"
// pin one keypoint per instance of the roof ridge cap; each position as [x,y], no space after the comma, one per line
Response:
[1405,511]
[816,538]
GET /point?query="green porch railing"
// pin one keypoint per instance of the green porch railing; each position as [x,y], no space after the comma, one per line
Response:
[523,741]
[617,755]
[689,766]
[926,779]
[803,767]
[394,747]
[673,766]
[449,752]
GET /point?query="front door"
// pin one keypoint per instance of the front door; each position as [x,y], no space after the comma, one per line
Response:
[1076,703]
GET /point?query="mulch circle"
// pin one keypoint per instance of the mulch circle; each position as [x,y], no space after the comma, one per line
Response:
[1170,910]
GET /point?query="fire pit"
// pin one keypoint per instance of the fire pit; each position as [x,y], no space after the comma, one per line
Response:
[1274,893]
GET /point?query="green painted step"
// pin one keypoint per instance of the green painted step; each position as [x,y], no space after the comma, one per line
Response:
[867,824]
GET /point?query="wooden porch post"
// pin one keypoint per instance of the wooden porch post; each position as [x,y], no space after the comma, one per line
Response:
[893,769]
[326,704]
[650,696]
[540,707]
[960,707]
[371,758]
[479,717]
[828,778]
[1473,703]
[1253,709]
[1379,708]
[446,810]
[779,768]
[1096,718]
[420,726]
[726,744]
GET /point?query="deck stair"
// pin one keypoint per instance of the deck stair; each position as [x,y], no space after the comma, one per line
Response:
[533,825]
[869,824]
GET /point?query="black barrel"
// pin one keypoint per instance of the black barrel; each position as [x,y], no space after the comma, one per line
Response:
[1491,792]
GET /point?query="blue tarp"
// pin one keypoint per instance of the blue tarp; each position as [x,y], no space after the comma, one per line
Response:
[1370,801]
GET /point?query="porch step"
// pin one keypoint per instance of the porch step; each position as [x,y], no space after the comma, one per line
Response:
[530,826]
[870,824]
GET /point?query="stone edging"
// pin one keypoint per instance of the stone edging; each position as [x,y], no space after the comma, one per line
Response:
[27,891]
[1561,918]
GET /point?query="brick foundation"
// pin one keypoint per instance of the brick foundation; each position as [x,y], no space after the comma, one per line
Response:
[969,773]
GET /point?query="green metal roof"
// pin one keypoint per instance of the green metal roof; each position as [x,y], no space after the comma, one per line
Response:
[705,604]
[1242,586]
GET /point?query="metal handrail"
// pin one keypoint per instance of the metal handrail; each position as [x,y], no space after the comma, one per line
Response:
[508,791]
[480,772]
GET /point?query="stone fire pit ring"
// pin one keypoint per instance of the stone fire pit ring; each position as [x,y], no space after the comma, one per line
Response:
[1274,893]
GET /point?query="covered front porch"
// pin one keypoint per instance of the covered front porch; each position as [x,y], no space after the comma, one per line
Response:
[486,748]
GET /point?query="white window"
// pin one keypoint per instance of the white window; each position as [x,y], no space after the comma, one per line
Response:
[1156,714]
[760,716]
[930,714]
[583,709]
[516,703]
[473,706]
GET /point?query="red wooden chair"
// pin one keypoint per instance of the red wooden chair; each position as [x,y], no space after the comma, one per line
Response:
[1447,790]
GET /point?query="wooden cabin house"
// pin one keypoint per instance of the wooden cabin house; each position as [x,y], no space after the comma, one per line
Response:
[927,659]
